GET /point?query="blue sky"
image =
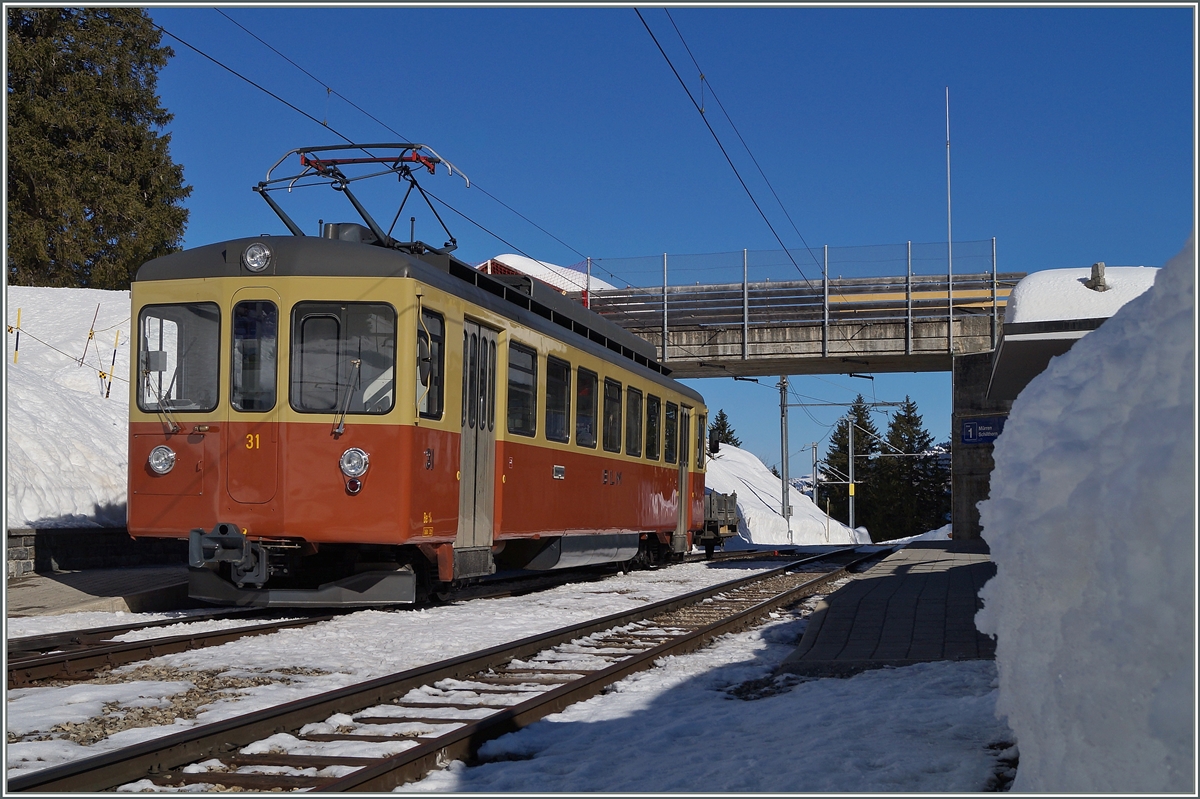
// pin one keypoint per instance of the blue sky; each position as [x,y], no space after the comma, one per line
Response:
[1072,138]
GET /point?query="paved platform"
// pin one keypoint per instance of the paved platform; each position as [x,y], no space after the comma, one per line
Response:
[917,605]
[139,590]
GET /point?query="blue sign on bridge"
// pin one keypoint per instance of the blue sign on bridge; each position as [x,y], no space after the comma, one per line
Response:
[982,430]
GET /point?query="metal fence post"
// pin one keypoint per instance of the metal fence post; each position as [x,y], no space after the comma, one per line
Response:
[664,298]
[825,327]
[908,301]
[950,303]
[995,304]
[745,306]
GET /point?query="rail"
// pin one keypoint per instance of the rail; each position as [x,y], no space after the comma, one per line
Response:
[385,703]
[89,654]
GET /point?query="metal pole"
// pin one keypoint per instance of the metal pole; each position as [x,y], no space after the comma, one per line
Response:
[587,292]
[786,510]
[664,332]
[995,304]
[908,300]
[850,486]
[825,330]
[949,240]
[815,473]
[745,306]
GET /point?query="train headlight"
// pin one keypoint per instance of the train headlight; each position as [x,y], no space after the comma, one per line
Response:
[256,257]
[162,459]
[354,462]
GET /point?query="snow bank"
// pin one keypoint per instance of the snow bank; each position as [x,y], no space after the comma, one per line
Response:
[67,447]
[1058,294]
[1091,525]
[758,497]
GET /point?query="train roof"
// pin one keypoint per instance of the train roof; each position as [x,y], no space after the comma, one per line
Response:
[518,297]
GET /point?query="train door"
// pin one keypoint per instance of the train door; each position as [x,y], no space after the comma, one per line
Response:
[252,462]
[477,470]
[679,540]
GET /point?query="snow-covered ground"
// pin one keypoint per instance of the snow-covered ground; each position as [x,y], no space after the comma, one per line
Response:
[677,728]
[1092,526]
[66,442]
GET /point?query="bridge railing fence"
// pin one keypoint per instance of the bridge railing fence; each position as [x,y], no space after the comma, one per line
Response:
[879,284]
[795,265]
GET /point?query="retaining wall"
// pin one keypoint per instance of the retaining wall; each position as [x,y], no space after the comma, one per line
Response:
[70,549]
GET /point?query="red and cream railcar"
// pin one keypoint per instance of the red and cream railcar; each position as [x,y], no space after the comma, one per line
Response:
[332,422]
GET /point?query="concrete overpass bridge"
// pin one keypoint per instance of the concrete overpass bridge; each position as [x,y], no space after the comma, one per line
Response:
[909,323]
[913,323]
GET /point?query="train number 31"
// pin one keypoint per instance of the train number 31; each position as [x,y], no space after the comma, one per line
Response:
[252,441]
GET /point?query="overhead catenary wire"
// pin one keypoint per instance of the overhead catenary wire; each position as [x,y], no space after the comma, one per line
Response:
[704,80]
[724,152]
[332,129]
[330,90]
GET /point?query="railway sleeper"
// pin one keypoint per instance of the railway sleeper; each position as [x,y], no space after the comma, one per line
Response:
[514,702]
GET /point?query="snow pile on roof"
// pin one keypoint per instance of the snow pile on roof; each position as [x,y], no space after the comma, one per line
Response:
[563,278]
[1091,525]
[759,494]
[67,443]
[1058,294]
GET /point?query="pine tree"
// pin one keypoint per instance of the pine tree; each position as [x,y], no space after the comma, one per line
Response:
[912,486]
[92,190]
[722,431]
[837,467]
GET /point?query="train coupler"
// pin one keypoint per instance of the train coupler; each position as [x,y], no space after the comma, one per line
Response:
[227,544]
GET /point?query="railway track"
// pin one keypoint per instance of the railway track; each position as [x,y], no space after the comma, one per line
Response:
[77,654]
[421,719]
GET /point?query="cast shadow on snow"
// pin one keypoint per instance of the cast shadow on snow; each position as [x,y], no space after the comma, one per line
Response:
[672,749]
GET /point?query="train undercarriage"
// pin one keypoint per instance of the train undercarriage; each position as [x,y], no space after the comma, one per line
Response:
[228,568]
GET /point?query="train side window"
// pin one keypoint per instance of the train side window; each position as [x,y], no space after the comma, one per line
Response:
[491,398]
[522,389]
[343,357]
[671,432]
[612,415]
[558,400]
[431,346]
[585,408]
[465,359]
[633,422]
[473,382]
[178,347]
[653,423]
[701,440]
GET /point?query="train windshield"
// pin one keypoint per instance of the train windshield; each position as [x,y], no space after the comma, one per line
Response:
[343,357]
[177,357]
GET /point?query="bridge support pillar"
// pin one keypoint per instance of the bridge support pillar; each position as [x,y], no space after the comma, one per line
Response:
[971,454]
